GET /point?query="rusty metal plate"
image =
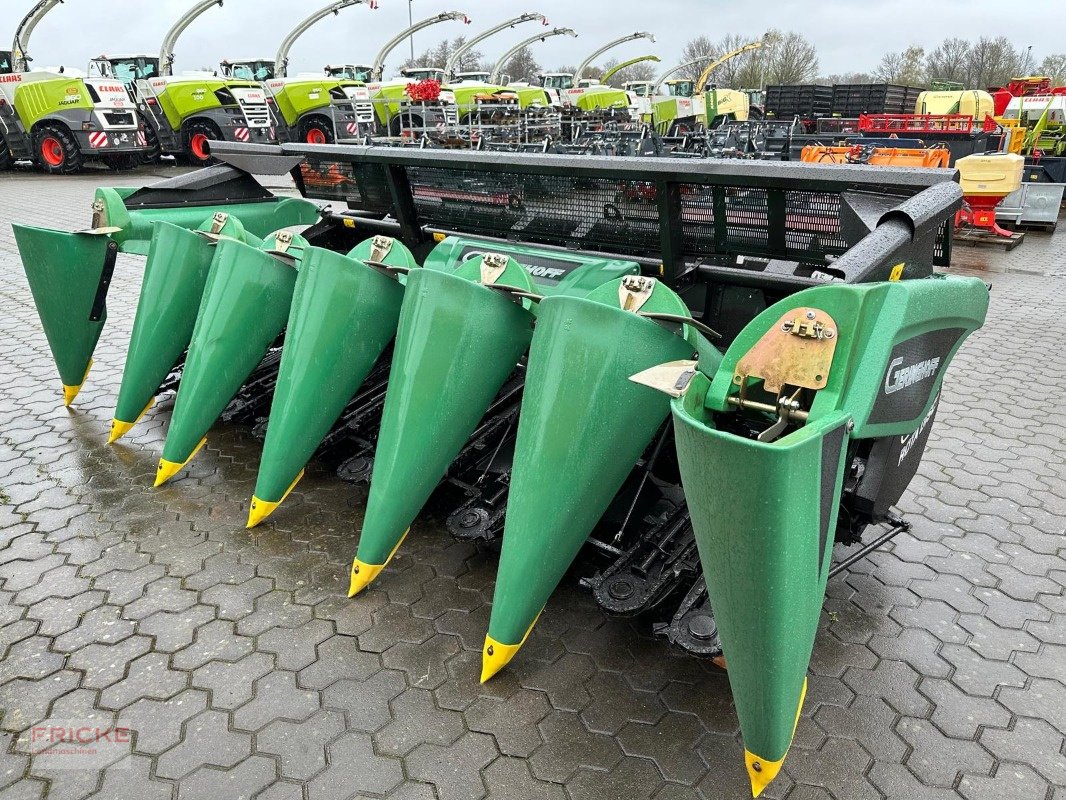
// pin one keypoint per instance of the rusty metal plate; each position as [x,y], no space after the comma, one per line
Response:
[797,351]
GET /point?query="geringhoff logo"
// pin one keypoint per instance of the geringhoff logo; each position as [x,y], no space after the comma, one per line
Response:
[901,377]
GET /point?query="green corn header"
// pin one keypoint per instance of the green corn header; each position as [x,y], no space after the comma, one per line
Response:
[573,341]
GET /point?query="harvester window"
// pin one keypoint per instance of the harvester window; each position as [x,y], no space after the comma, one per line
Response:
[135,69]
[5,63]
[254,71]
[558,82]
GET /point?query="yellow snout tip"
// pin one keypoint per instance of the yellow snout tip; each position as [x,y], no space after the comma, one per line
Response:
[168,469]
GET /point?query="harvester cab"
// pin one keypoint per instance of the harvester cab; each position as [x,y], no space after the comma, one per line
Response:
[350,72]
[183,114]
[416,74]
[697,380]
[259,70]
[471,77]
[680,87]
[60,120]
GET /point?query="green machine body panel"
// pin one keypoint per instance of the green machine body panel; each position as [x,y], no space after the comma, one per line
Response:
[344,313]
[245,306]
[765,512]
[553,272]
[582,427]
[387,98]
[457,343]
[258,219]
[599,98]
[181,99]
[35,100]
[301,95]
[175,275]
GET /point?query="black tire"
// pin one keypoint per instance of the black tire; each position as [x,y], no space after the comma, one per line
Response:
[56,151]
[123,161]
[155,151]
[7,161]
[195,135]
[316,130]
[401,121]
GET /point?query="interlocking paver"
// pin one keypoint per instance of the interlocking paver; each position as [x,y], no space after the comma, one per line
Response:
[366,702]
[232,683]
[512,722]
[301,746]
[158,724]
[205,741]
[242,782]
[416,720]
[245,672]
[276,697]
[354,767]
[455,770]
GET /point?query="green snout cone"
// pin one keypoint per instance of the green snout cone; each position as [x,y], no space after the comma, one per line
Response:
[174,278]
[765,521]
[343,315]
[64,270]
[458,341]
[245,306]
[582,428]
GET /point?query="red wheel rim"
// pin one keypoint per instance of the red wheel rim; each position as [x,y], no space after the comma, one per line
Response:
[199,146]
[316,136]
[52,152]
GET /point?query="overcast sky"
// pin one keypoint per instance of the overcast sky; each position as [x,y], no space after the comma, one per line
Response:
[850,36]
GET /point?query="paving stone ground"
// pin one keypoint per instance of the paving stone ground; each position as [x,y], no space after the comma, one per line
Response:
[244,672]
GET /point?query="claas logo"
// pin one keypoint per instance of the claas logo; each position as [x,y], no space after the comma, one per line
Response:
[73,91]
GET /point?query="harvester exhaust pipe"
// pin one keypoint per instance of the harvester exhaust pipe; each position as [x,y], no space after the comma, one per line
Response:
[582,427]
[344,314]
[245,306]
[175,275]
[460,335]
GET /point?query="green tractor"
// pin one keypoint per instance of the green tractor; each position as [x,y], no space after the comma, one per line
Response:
[60,121]
[183,114]
[309,108]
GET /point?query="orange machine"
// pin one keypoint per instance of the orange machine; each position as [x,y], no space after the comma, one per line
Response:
[876,156]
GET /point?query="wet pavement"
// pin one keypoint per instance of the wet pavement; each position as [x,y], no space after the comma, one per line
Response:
[241,669]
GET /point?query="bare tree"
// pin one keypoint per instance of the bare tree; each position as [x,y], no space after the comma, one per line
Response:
[950,61]
[522,65]
[438,56]
[847,77]
[791,58]
[701,49]
[992,62]
[906,67]
[1054,66]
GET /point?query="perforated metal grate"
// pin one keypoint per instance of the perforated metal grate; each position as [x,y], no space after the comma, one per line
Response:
[679,215]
